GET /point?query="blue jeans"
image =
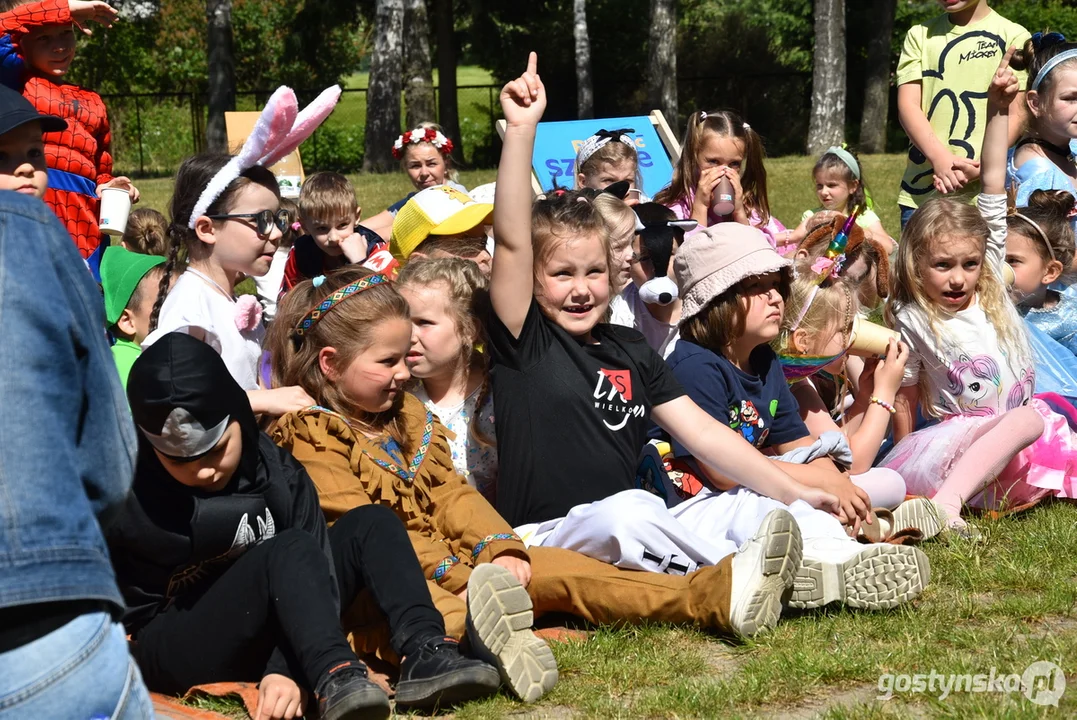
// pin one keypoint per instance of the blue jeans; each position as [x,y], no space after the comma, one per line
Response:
[906,213]
[83,671]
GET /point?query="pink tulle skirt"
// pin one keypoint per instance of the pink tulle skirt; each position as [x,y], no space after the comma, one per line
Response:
[1046,467]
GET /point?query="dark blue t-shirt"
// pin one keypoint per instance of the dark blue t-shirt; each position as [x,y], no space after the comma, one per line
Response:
[759,405]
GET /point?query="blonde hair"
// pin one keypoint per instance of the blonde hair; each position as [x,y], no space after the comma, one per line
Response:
[619,220]
[753,173]
[614,152]
[327,196]
[146,232]
[349,328]
[833,304]
[468,294]
[563,216]
[450,168]
[935,220]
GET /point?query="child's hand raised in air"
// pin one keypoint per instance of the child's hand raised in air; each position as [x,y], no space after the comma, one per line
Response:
[1004,86]
[523,100]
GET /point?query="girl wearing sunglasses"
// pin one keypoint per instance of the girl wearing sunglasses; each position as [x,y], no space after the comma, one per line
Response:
[233,236]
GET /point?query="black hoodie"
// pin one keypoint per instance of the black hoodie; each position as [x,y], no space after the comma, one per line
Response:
[172,541]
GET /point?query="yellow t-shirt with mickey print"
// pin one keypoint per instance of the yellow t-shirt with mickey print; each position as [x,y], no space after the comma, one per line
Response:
[954,65]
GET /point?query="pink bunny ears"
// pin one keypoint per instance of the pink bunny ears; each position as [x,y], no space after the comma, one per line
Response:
[279,130]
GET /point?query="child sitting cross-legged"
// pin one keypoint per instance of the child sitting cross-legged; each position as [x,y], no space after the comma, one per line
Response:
[130,283]
[229,572]
[329,217]
[733,288]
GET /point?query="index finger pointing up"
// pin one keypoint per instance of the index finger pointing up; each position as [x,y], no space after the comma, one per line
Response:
[532,62]
[1005,58]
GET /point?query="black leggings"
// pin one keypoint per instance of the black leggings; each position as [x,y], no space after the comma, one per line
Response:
[272,610]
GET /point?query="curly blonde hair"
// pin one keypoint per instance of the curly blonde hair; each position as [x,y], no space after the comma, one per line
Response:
[934,221]
[468,293]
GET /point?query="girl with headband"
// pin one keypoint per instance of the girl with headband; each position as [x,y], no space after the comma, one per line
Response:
[425,154]
[607,157]
[840,187]
[226,216]
[1044,158]
[970,364]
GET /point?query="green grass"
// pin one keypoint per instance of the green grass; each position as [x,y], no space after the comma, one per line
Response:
[1004,603]
[465,75]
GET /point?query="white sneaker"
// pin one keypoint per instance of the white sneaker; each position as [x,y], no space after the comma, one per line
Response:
[922,514]
[869,577]
[499,620]
[763,570]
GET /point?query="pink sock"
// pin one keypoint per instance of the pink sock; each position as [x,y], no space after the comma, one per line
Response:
[996,443]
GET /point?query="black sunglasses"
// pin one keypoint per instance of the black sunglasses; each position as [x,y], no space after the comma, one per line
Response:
[265,219]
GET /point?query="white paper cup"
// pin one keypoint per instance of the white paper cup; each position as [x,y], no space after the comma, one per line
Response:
[869,339]
[115,207]
[1008,275]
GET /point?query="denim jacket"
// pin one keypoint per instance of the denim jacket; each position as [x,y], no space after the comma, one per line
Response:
[67,441]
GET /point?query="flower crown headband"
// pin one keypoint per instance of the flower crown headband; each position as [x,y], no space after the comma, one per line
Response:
[420,135]
[318,312]
[279,130]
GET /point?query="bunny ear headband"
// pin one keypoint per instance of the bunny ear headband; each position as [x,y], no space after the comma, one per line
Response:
[279,130]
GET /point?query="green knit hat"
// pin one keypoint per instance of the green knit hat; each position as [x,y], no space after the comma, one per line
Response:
[121,272]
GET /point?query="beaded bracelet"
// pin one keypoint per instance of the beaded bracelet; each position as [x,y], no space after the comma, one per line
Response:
[883,404]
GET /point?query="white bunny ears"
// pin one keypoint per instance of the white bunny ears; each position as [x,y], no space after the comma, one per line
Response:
[279,130]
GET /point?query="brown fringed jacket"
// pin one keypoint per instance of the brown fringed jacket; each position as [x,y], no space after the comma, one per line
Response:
[452,527]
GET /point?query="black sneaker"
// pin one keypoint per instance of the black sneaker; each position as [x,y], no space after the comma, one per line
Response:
[437,675]
[345,693]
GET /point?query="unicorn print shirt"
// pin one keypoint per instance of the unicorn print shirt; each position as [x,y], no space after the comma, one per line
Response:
[959,361]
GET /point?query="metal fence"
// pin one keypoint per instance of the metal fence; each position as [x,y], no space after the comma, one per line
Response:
[153,132]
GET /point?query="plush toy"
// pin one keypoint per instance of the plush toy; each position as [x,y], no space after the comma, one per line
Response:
[659,230]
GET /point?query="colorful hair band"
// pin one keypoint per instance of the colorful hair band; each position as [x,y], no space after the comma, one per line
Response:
[846,157]
[1038,229]
[420,135]
[1051,65]
[311,319]
[601,138]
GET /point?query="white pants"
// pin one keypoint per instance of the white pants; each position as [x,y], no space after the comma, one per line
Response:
[634,530]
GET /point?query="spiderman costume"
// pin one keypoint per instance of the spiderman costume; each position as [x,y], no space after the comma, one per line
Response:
[78,158]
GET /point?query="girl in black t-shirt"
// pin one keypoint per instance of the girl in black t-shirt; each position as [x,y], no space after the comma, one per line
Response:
[574,396]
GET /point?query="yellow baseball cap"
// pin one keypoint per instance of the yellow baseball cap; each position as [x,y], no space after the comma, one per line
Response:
[438,210]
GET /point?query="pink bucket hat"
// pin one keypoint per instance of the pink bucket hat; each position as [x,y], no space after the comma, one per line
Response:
[714,259]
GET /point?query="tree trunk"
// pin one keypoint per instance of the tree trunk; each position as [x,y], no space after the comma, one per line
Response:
[585,92]
[383,93]
[662,81]
[877,79]
[827,125]
[448,110]
[222,72]
[419,77]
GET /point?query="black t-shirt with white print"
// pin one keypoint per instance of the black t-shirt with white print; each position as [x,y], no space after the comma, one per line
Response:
[571,418]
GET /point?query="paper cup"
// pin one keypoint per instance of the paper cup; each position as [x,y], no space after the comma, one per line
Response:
[869,339]
[115,207]
[1008,275]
